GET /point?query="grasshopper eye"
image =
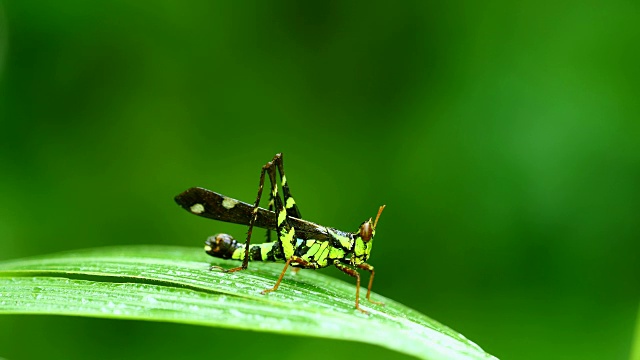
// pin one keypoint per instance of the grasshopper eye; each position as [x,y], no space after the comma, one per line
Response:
[366,231]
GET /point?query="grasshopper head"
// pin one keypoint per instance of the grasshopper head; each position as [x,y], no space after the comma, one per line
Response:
[365,234]
[368,230]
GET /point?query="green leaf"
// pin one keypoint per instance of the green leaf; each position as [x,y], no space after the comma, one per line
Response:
[175,284]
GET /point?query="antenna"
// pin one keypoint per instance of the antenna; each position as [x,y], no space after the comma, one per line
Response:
[378,216]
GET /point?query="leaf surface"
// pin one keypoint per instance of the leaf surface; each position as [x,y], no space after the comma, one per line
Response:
[159,283]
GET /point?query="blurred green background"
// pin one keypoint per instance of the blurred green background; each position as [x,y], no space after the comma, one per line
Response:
[504,139]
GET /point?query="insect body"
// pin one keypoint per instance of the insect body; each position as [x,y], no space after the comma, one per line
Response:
[300,243]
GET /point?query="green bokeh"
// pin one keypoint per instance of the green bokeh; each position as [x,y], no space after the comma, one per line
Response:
[503,137]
